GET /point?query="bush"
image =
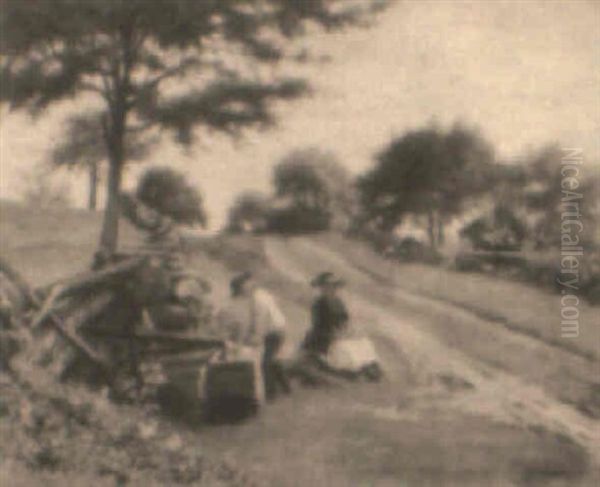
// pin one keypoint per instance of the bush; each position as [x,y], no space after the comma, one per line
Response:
[297,220]
[501,231]
[509,264]
[410,249]
[249,213]
[166,191]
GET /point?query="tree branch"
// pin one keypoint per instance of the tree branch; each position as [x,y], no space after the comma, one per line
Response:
[174,71]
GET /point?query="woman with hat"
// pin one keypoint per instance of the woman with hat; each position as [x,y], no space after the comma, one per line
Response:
[329,314]
[328,343]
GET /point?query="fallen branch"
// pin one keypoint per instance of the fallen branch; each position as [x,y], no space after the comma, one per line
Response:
[47,307]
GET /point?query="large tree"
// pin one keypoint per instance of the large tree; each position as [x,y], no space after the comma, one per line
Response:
[427,172]
[82,149]
[311,178]
[172,64]
[297,180]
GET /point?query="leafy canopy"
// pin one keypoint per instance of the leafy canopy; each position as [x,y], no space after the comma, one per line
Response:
[157,64]
[166,191]
[425,171]
[168,63]
[249,211]
[312,177]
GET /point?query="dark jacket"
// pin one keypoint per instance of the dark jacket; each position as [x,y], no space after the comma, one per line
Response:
[329,316]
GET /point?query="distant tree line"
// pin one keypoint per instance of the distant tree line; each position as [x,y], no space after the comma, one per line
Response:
[312,192]
[431,176]
[426,173]
[436,178]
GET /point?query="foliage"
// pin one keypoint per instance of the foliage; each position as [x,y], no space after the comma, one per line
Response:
[249,212]
[165,190]
[174,64]
[502,230]
[300,183]
[547,198]
[82,147]
[64,434]
[427,172]
[410,249]
[313,183]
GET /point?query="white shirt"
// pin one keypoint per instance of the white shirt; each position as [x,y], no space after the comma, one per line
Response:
[265,313]
[248,320]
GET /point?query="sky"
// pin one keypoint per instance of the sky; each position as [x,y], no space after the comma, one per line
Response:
[525,73]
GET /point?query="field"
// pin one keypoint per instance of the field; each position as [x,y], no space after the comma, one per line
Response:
[480,388]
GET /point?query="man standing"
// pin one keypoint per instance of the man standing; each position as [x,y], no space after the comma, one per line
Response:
[265,327]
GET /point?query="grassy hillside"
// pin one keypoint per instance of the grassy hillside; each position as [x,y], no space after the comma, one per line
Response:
[48,244]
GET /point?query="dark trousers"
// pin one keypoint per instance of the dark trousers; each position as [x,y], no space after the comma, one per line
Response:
[274,375]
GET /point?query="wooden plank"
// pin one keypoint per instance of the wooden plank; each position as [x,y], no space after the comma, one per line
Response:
[57,323]
[90,279]
[158,337]
[47,307]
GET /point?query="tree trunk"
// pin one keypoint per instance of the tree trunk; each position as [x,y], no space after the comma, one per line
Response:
[114,136]
[431,229]
[114,125]
[93,189]
[110,225]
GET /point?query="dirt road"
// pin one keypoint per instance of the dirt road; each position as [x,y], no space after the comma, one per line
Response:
[448,377]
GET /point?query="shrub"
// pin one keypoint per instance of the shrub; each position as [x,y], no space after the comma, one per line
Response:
[410,249]
[166,191]
[501,231]
[249,213]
